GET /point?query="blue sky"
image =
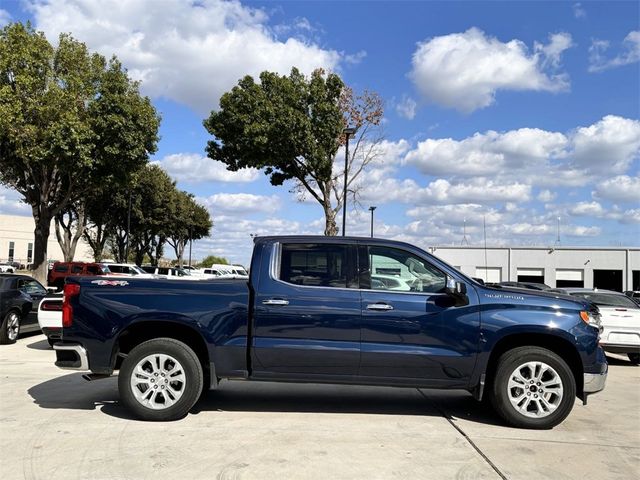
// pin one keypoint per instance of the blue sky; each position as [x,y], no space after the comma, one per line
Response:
[517,112]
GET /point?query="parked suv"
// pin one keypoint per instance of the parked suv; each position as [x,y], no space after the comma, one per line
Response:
[62,270]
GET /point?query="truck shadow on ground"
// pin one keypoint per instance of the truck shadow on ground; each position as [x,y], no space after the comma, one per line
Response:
[71,391]
[41,345]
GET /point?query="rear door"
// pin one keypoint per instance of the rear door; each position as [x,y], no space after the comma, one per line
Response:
[412,330]
[307,312]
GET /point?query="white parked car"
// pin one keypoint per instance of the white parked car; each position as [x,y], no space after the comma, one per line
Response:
[50,317]
[390,282]
[128,269]
[173,273]
[620,320]
[7,268]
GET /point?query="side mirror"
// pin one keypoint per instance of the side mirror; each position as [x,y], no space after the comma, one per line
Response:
[52,289]
[455,288]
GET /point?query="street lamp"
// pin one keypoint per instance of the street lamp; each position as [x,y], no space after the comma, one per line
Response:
[347,132]
[371,209]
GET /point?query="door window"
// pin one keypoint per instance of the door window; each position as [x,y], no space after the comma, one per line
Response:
[61,268]
[76,268]
[317,265]
[31,287]
[401,271]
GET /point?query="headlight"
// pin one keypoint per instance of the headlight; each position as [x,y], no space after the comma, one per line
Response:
[592,318]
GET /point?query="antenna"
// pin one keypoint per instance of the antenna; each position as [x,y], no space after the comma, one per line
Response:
[558,238]
[465,241]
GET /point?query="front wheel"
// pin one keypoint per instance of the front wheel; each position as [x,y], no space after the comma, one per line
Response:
[10,328]
[634,358]
[533,388]
[160,379]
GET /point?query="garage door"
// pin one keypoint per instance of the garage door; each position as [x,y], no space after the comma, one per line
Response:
[489,274]
[569,278]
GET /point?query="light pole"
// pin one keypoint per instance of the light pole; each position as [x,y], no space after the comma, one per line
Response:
[371,209]
[347,132]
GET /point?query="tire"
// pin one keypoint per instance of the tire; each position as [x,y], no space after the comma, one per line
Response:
[634,358]
[10,328]
[526,406]
[139,378]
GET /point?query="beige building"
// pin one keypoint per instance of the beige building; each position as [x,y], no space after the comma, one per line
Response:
[16,241]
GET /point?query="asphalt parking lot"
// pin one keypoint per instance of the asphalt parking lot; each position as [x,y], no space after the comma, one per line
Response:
[55,425]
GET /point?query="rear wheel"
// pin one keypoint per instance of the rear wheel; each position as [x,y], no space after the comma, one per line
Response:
[533,388]
[160,379]
[10,328]
[634,358]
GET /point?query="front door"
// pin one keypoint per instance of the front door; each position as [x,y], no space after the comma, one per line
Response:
[35,292]
[412,330]
[307,313]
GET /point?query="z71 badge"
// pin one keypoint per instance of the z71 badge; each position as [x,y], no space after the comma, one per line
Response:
[111,283]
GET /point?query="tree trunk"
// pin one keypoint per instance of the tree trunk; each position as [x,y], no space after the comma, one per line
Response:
[330,226]
[68,239]
[41,237]
[178,245]
[97,240]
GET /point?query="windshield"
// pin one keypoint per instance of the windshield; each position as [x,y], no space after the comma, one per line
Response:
[607,299]
[136,270]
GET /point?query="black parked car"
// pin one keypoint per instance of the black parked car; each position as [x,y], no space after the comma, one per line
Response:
[19,299]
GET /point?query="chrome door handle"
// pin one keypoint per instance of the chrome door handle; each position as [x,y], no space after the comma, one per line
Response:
[275,301]
[379,306]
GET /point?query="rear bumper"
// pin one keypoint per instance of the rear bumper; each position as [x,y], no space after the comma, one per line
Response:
[71,357]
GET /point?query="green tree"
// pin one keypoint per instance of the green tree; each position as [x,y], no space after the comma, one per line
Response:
[207,261]
[191,221]
[69,122]
[292,127]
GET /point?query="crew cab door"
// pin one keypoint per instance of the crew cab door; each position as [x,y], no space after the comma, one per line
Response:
[412,330]
[307,312]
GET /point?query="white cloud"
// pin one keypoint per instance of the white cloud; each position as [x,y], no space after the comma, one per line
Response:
[622,188]
[593,209]
[534,156]
[578,11]
[195,168]
[546,196]
[233,203]
[465,70]
[406,107]
[488,153]
[609,145]
[5,17]
[190,52]
[355,58]
[552,52]
[630,53]
[631,216]
[582,231]
[11,202]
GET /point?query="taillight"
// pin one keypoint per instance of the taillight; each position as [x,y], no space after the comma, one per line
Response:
[50,306]
[70,290]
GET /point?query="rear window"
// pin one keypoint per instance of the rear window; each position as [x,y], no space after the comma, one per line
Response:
[115,268]
[93,270]
[317,265]
[607,299]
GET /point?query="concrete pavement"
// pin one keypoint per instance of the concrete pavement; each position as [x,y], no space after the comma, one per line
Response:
[55,425]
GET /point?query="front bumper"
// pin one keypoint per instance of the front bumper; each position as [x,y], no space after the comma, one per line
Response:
[594,382]
[71,357]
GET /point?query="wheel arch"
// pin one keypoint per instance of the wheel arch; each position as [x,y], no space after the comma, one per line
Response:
[140,332]
[558,345]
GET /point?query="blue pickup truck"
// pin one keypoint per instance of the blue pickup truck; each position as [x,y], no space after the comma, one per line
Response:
[334,310]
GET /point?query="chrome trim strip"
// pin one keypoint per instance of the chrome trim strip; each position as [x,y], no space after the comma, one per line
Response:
[80,351]
[594,382]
